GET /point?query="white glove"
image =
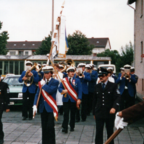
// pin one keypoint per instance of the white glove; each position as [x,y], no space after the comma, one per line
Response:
[117,119]
[42,82]
[34,109]
[121,124]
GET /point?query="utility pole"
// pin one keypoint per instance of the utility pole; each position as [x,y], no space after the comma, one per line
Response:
[52,16]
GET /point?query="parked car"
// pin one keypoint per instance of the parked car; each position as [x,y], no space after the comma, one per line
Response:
[15,89]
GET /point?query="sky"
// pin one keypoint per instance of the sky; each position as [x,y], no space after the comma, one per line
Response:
[31,19]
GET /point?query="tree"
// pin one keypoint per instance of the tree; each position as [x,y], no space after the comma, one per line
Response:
[79,44]
[45,46]
[120,59]
[3,41]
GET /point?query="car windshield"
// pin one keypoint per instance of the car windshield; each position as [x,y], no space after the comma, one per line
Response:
[12,81]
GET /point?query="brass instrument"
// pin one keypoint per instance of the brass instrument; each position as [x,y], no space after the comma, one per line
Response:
[66,64]
[70,62]
[80,72]
[35,66]
[126,71]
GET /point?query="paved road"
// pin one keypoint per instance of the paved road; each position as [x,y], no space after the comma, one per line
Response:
[29,132]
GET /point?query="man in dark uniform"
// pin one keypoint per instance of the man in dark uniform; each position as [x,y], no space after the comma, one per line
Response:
[29,89]
[48,88]
[70,102]
[4,100]
[105,103]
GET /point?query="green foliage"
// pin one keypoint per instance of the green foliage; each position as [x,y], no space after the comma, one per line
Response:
[120,59]
[79,44]
[45,46]
[3,41]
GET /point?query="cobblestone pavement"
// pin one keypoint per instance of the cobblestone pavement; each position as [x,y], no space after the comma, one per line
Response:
[29,132]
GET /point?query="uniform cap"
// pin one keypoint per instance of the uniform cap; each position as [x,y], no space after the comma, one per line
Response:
[29,62]
[88,66]
[132,68]
[127,66]
[81,64]
[61,66]
[121,68]
[47,69]
[110,68]
[102,71]
[70,68]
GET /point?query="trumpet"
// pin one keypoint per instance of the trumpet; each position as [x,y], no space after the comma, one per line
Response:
[26,82]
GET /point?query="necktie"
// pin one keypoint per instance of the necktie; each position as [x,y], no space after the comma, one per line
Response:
[103,86]
[47,82]
[70,80]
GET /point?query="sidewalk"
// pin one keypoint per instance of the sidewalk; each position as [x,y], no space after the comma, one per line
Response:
[29,132]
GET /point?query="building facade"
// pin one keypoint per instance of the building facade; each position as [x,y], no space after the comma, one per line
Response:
[138,44]
[16,64]
[27,48]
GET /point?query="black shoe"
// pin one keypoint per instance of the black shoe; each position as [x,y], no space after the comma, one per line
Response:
[30,118]
[64,130]
[24,118]
[1,141]
[72,129]
[77,120]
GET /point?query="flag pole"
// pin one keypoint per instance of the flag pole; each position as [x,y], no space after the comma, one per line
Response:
[113,136]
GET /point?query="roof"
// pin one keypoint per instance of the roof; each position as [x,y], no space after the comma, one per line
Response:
[131,1]
[23,45]
[73,57]
[44,58]
[99,42]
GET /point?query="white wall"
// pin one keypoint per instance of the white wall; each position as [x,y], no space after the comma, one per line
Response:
[98,50]
[17,52]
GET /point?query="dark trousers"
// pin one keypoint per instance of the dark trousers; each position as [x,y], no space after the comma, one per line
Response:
[89,103]
[83,108]
[48,130]
[27,104]
[126,100]
[69,107]
[1,125]
[100,126]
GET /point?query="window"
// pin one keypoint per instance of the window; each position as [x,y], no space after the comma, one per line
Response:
[141,51]
[14,44]
[21,67]
[33,44]
[12,53]
[11,65]
[141,8]
[26,52]
[20,52]
[16,67]
[23,44]
[97,41]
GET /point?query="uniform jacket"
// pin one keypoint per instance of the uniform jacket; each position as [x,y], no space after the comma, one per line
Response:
[4,98]
[50,88]
[33,87]
[64,74]
[115,77]
[131,85]
[106,99]
[135,83]
[40,74]
[84,81]
[77,87]
[134,112]
[92,83]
